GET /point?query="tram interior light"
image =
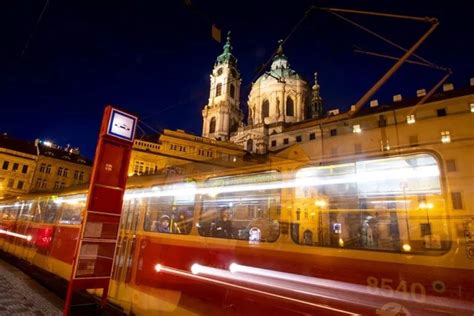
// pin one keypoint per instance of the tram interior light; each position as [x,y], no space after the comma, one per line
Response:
[320,203]
[425,206]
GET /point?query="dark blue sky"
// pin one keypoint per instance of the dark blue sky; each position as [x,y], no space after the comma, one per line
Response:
[154,57]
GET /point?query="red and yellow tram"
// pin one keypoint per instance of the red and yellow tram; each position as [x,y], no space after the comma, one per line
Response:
[371,237]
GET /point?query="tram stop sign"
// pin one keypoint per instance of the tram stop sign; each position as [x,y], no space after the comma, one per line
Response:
[95,250]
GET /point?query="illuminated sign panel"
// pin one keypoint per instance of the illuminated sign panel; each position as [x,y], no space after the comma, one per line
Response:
[122,125]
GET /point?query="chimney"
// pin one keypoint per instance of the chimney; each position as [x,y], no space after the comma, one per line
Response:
[448,87]
[397,98]
[421,93]
[374,103]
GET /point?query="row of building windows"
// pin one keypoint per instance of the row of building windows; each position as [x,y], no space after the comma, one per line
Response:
[147,144]
[15,166]
[62,172]
[11,184]
[289,109]
[219,90]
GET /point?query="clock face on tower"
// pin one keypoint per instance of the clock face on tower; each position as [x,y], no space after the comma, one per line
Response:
[219,71]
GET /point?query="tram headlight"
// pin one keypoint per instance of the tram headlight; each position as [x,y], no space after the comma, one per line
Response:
[158,267]
[196,268]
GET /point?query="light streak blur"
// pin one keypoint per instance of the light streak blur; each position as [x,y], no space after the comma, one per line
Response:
[200,269]
[8,233]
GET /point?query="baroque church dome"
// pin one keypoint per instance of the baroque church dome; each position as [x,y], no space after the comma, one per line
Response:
[279,95]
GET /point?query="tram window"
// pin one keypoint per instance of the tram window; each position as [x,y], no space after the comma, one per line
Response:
[26,211]
[379,204]
[45,211]
[10,213]
[245,213]
[173,213]
[70,213]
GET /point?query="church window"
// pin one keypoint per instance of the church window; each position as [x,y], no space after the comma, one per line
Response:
[232,91]
[218,89]
[312,136]
[250,145]
[265,109]
[234,127]
[290,107]
[285,141]
[219,71]
[212,125]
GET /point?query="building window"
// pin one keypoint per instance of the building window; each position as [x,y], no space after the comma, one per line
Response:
[19,185]
[312,136]
[250,145]
[212,125]
[24,169]
[411,118]
[65,172]
[232,91]
[38,183]
[219,71]
[290,107]
[42,167]
[457,200]
[76,174]
[265,109]
[48,169]
[285,141]
[5,165]
[441,112]
[451,165]
[274,143]
[81,176]
[356,129]
[413,140]
[471,106]
[445,137]
[15,166]
[63,185]
[333,132]
[60,171]
[10,183]
[382,121]
[57,185]
[218,89]
[298,139]
[357,148]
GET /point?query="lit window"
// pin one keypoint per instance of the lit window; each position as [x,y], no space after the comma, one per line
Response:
[356,129]
[472,107]
[445,137]
[411,118]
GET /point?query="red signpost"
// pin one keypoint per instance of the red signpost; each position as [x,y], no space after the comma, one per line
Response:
[96,247]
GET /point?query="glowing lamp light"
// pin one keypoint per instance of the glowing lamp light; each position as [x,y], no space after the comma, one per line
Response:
[341,242]
[411,119]
[158,267]
[47,143]
[320,203]
[406,247]
[196,268]
[424,205]
[356,129]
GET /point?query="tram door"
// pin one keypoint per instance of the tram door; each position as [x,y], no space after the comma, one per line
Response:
[126,245]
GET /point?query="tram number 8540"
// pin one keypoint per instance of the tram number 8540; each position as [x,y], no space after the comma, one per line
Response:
[386,287]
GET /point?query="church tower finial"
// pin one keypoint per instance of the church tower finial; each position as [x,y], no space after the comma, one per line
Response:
[316,100]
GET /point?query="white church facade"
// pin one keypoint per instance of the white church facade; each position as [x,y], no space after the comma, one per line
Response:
[278,98]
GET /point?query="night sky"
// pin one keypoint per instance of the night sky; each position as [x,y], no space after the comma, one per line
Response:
[154,57]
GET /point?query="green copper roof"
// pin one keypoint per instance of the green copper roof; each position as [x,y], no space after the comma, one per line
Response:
[226,56]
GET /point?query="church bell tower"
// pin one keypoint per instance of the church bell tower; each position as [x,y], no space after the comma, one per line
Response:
[222,115]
